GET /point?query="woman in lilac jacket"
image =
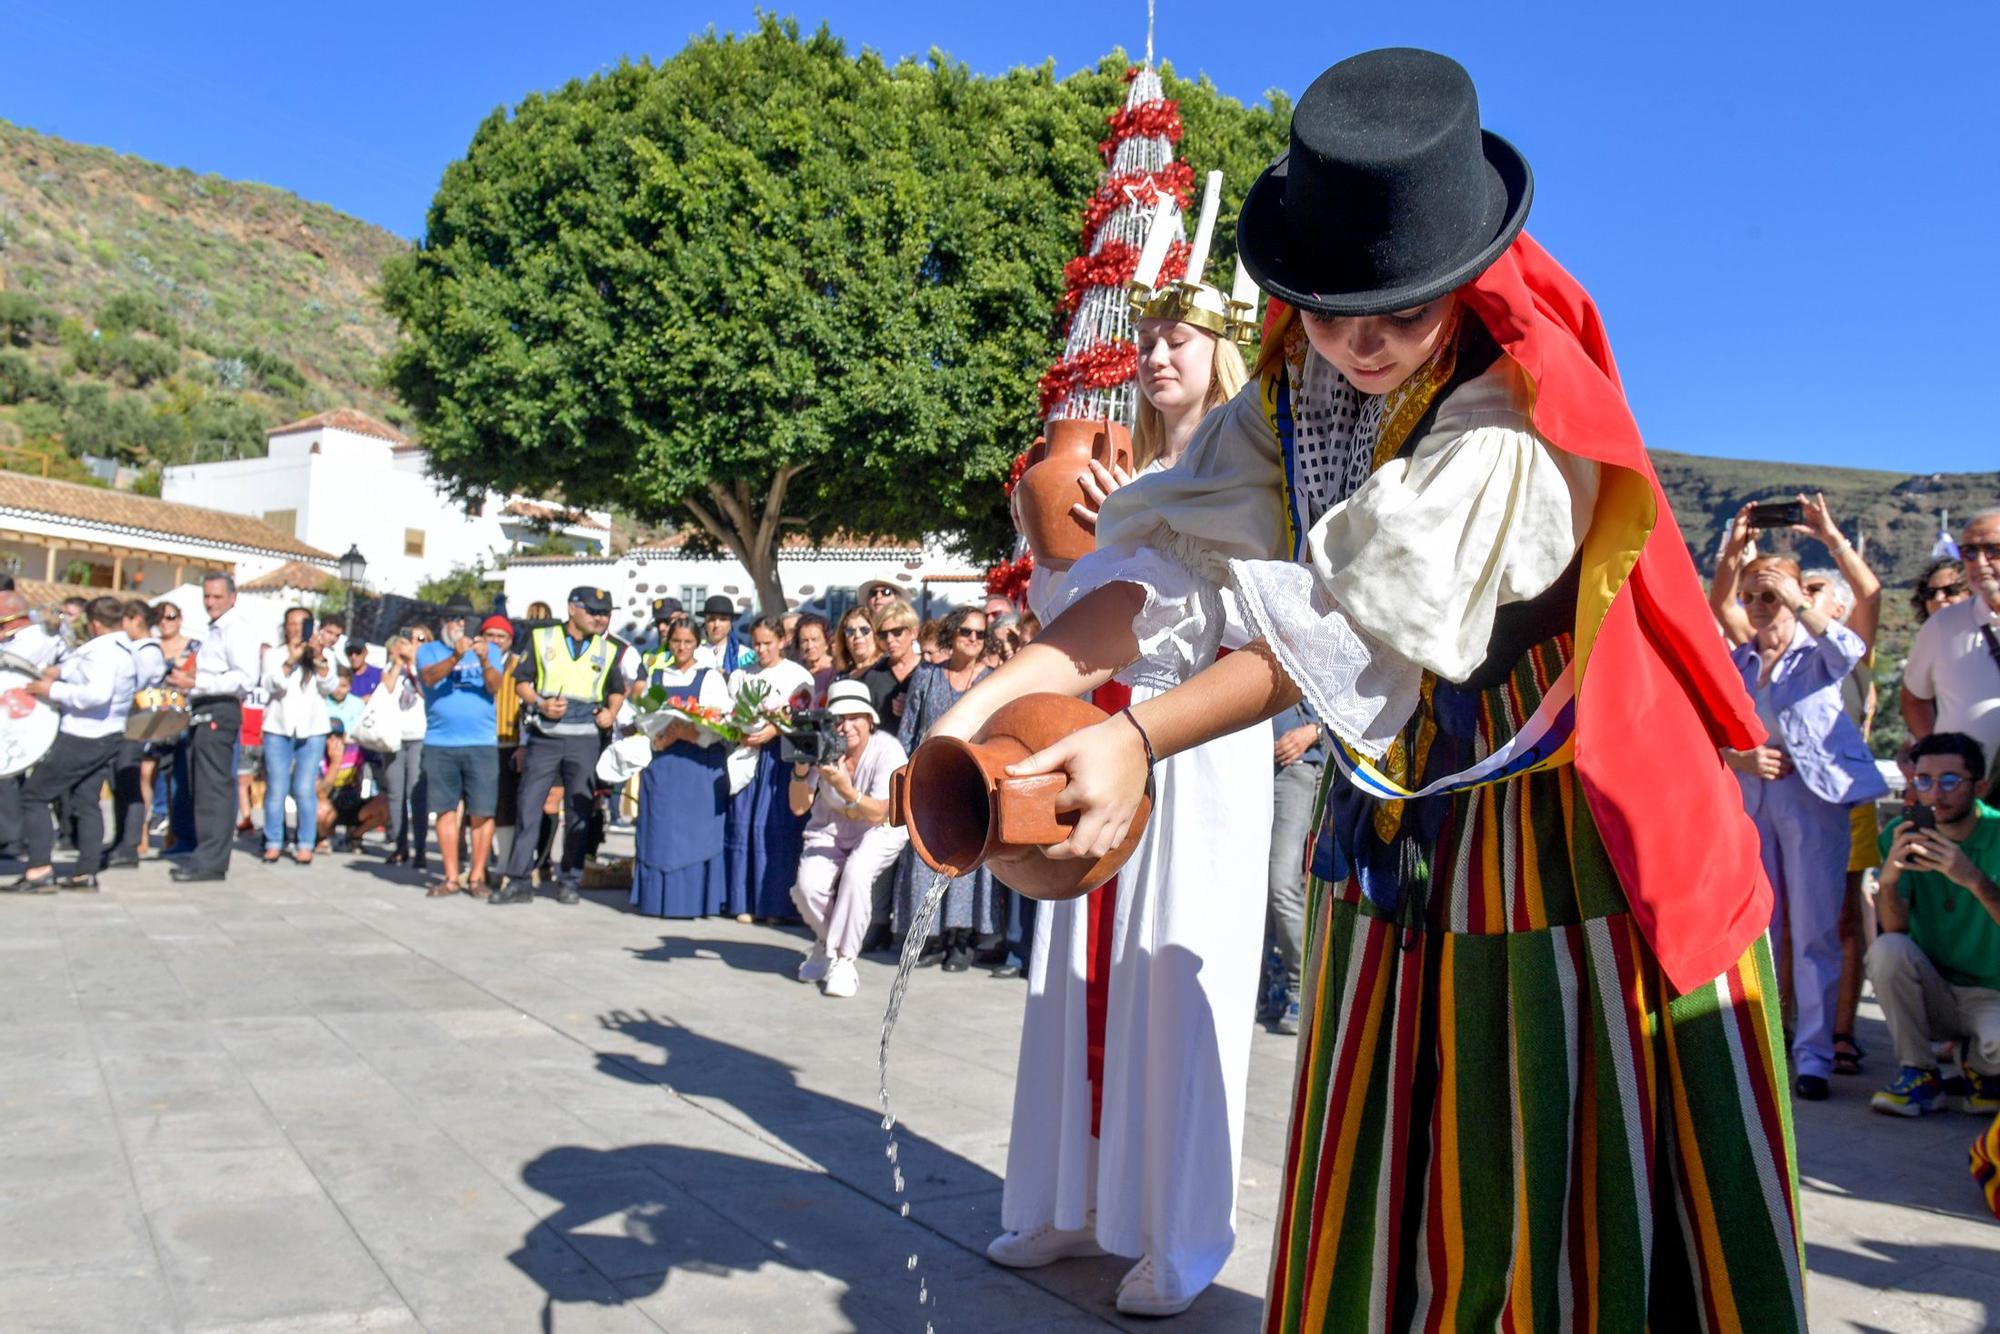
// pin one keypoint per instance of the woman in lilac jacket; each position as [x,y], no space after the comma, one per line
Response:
[1798,787]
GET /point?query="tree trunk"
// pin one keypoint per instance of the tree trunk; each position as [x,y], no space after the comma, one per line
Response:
[750,532]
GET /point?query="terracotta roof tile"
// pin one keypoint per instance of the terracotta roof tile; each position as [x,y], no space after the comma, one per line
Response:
[122,510]
[345,419]
[293,574]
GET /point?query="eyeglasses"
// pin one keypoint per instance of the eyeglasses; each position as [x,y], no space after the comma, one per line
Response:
[1944,783]
[899,630]
[1765,596]
[1980,550]
[1814,590]
[967,632]
[1932,592]
[170,616]
[858,632]
[877,593]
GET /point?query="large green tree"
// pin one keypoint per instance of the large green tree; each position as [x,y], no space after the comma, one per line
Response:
[763,287]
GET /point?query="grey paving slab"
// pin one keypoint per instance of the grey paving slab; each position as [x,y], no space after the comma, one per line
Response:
[313,1100]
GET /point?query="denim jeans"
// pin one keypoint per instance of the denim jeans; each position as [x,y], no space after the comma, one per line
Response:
[291,767]
[1297,788]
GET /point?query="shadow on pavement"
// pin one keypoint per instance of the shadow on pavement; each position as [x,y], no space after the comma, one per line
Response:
[747,956]
[674,1216]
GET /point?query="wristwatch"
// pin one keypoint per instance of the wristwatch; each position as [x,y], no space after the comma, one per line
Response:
[852,810]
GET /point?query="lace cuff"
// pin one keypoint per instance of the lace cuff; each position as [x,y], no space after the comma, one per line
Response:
[1361,689]
[1180,626]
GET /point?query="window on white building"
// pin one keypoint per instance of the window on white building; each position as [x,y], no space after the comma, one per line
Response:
[692,596]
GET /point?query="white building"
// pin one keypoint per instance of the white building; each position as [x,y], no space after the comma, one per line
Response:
[93,541]
[342,479]
[822,578]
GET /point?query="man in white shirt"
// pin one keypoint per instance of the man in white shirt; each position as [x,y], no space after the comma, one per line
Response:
[22,638]
[226,668]
[1952,680]
[93,689]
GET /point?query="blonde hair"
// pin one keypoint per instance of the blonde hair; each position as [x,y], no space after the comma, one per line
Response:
[898,615]
[1149,431]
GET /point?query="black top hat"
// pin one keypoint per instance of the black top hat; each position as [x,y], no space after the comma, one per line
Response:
[718,605]
[1390,195]
[458,606]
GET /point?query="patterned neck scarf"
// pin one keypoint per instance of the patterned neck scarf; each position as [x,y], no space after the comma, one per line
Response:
[1338,435]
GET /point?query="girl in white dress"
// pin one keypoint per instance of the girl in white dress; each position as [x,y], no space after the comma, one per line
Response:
[1128,1105]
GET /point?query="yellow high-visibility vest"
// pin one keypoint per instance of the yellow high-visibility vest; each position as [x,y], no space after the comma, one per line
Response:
[581,677]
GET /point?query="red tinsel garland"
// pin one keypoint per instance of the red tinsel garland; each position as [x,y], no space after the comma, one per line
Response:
[1097,367]
[1010,578]
[1113,266]
[1014,473]
[1161,117]
[1144,191]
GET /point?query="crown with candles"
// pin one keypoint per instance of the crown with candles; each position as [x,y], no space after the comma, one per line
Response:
[1189,300]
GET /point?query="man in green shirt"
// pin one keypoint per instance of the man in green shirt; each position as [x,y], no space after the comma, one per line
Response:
[1936,964]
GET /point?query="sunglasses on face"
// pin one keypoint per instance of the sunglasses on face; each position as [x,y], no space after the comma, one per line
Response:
[967,632]
[1946,784]
[858,632]
[170,616]
[898,630]
[1980,550]
[1765,596]
[1814,590]
[1933,592]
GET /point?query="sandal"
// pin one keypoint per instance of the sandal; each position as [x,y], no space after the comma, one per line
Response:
[272,858]
[1847,1054]
[444,889]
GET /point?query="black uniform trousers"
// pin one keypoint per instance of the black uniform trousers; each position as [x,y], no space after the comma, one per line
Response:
[73,772]
[547,761]
[128,813]
[217,726]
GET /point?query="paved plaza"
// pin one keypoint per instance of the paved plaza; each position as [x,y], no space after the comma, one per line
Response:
[311,1099]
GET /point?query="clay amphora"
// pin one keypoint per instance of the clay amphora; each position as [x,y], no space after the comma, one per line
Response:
[963,811]
[1050,485]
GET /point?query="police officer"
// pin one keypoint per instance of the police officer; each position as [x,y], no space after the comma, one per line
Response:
[570,684]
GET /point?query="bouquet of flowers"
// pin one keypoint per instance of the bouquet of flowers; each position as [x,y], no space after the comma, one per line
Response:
[659,706]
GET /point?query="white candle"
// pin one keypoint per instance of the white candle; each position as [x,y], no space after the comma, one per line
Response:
[1211,200]
[1159,235]
[1243,290]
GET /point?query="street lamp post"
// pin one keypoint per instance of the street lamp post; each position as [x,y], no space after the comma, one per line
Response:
[352,567]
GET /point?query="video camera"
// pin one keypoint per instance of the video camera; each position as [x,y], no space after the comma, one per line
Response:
[814,739]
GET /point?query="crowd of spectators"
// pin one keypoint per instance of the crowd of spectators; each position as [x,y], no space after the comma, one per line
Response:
[1927,938]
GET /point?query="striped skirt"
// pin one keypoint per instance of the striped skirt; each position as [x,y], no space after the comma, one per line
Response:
[1507,1120]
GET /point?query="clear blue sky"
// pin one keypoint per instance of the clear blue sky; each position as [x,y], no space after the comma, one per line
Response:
[1786,211]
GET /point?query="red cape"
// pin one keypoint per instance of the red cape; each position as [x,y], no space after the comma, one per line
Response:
[1656,690]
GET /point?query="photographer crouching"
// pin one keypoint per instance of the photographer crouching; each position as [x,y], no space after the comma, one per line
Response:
[840,773]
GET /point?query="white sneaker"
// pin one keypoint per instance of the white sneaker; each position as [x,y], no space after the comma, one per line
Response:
[1042,1245]
[1139,1292]
[842,979]
[814,967]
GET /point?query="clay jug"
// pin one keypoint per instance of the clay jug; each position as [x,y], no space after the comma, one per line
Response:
[963,811]
[1051,484]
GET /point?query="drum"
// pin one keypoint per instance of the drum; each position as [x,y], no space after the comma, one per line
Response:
[159,714]
[27,724]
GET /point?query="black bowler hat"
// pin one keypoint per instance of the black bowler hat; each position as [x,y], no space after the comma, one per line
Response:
[718,605]
[1390,194]
[596,601]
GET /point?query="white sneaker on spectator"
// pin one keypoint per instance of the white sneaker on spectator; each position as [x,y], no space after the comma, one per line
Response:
[814,967]
[1139,1292]
[842,978]
[1043,1245]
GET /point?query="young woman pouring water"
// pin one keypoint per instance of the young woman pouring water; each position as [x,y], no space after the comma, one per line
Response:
[1540,1074]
